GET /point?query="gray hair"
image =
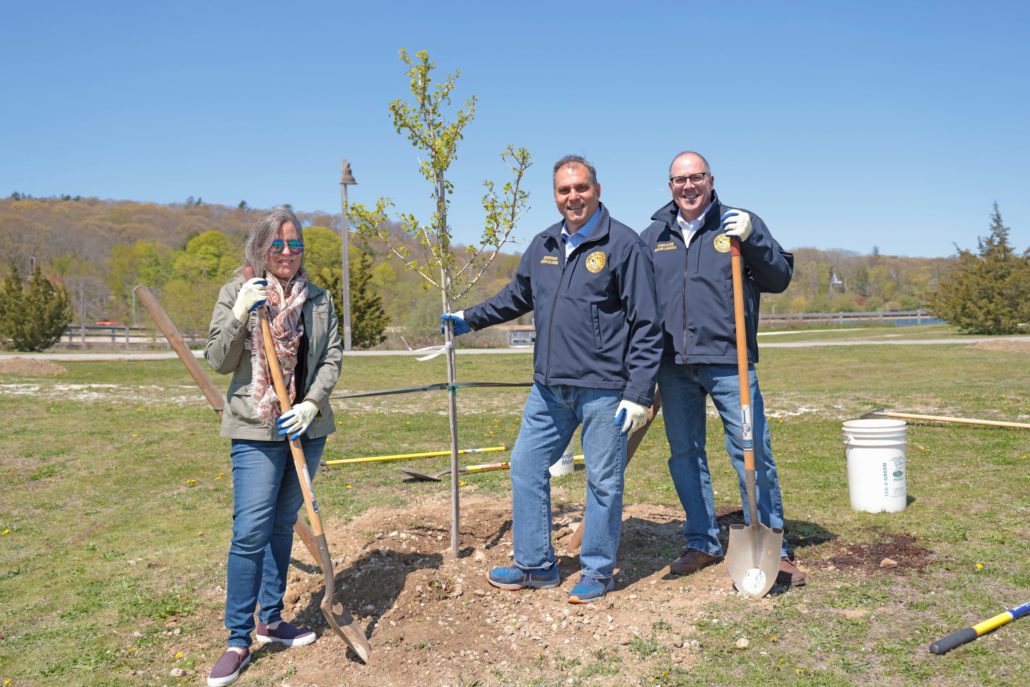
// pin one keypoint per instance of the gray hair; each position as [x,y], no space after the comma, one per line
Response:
[708,167]
[255,251]
[576,160]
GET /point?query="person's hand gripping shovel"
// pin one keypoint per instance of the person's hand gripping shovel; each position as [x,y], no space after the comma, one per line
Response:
[753,554]
[337,616]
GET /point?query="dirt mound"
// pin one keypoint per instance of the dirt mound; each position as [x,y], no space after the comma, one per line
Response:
[1004,345]
[434,620]
[30,366]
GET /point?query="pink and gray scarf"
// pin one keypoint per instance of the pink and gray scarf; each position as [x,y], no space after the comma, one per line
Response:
[284,316]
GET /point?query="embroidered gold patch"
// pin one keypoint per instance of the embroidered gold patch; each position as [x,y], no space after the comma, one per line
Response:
[667,245]
[595,261]
[549,260]
[722,243]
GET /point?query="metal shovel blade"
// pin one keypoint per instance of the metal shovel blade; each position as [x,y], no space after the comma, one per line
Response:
[344,624]
[411,472]
[336,615]
[468,469]
[753,557]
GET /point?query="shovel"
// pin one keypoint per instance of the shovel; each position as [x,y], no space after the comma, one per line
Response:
[753,555]
[339,619]
[438,477]
[171,333]
[484,467]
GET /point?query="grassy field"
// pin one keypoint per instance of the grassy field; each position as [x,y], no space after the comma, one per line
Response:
[115,509]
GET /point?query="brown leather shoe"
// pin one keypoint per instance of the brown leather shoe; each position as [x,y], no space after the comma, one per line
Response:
[691,561]
[790,574]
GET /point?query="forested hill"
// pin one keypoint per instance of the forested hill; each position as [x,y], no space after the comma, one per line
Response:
[89,227]
[97,247]
[100,249]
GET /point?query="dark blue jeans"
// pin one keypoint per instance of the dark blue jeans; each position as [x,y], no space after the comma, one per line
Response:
[684,390]
[266,498]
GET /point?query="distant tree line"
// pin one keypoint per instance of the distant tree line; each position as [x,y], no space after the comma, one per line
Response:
[99,250]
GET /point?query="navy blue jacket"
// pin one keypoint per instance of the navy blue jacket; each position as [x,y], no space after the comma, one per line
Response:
[597,323]
[695,285]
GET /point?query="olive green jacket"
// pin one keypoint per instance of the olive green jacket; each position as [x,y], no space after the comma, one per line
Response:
[226,352]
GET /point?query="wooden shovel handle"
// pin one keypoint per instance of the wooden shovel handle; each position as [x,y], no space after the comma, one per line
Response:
[742,373]
[299,462]
[171,333]
[959,420]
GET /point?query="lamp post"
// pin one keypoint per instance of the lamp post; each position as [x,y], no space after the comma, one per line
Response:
[346,179]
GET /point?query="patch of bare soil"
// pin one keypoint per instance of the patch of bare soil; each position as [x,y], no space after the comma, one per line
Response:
[896,553]
[28,366]
[1003,345]
[434,620]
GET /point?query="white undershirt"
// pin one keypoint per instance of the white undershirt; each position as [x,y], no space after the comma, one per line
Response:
[691,227]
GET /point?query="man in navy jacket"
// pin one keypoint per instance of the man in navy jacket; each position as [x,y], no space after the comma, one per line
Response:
[589,282]
[690,250]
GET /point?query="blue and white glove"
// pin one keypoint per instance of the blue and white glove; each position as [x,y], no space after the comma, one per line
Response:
[297,420]
[252,295]
[632,416]
[737,223]
[458,321]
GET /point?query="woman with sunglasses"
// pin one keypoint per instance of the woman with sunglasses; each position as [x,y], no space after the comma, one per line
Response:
[266,490]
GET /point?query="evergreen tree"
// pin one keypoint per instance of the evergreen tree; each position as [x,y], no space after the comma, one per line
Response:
[33,318]
[368,317]
[986,292]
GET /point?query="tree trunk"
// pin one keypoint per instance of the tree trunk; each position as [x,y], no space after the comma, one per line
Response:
[444,249]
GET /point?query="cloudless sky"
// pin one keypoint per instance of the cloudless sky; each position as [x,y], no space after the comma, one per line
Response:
[843,124]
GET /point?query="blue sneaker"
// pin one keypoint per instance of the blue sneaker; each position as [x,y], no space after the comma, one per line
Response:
[590,589]
[516,578]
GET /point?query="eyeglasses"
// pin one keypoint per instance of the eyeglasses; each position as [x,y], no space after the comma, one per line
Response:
[278,246]
[693,178]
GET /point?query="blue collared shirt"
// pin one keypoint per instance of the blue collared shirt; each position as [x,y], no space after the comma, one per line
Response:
[573,240]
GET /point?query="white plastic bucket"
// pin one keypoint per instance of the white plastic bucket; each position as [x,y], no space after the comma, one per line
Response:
[875,451]
[564,466]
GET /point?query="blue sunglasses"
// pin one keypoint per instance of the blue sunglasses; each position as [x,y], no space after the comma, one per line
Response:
[278,246]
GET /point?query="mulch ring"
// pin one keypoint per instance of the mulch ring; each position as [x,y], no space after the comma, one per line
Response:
[893,553]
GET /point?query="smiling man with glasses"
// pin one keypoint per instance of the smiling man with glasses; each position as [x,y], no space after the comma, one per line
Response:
[690,243]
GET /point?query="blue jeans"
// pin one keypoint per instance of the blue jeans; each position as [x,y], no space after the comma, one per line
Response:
[551,417]
[683,389]
[266,497]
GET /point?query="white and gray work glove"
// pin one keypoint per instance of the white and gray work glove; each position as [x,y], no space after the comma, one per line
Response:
[737,223]
[296,420]
[253,294]
[632,416]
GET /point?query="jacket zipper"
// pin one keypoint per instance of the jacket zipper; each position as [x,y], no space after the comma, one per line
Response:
[686,281]
[550,323]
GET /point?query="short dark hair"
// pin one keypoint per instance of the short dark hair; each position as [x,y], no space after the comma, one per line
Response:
[576,160]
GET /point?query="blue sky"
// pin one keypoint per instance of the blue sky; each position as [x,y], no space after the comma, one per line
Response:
[844,125]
